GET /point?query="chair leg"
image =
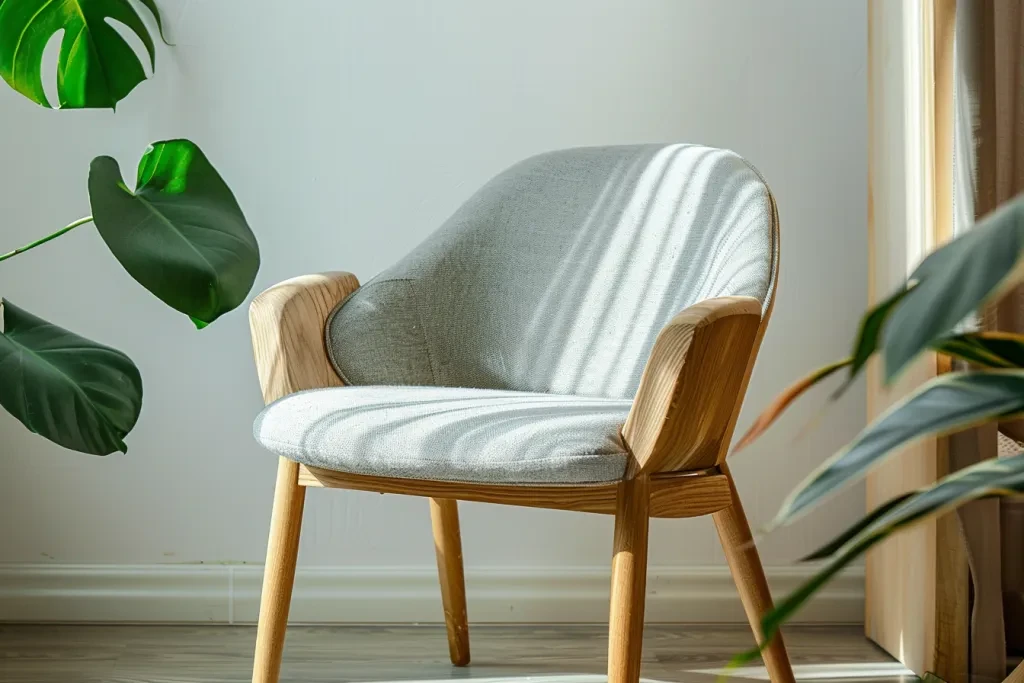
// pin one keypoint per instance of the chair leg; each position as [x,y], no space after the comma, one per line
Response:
[444,517]
[747,572]
[279,572]
[629,581]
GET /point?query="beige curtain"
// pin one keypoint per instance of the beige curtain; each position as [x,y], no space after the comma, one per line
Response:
[1001,120]
[1001,133]
[1000,176]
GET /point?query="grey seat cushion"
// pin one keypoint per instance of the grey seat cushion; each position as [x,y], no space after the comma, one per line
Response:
[559,273]
[545,291]
[450,434]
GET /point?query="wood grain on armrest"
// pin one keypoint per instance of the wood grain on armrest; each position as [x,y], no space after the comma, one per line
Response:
[692,386]
[287,324]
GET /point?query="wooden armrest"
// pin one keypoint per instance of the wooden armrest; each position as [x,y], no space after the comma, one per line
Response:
[287,324]
[693,386]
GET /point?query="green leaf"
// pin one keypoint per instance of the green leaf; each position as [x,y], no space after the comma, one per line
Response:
[784,610]
[96,68]
[870,333]
[770,414]
[68,389]
[181,234]
[987,349]
[946,404]
[830,548]
[151,6]
[996,477]
[868,337]
[955,281]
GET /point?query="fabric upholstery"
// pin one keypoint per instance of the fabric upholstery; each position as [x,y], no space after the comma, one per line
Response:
[544,293]
[558,274]
[450,434]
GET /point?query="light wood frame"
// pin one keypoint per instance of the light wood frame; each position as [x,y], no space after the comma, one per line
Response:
[916,586]
[677,431]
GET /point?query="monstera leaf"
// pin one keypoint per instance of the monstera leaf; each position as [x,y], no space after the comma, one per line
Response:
[180,234]
[96,68]
[68,389]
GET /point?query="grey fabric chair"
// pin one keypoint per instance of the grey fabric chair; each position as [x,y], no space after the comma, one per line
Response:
[578,335]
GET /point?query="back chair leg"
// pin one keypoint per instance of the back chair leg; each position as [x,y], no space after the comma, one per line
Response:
[629,581]
[444,517]
[747,572]
[279,572]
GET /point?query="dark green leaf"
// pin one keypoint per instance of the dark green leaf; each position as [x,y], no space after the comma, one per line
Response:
[181,234]
[771,622]
[987,349]
[830,548]
[151,6]
[68,389]
[945,404]
[955,281]
[870,333]
[996,477]
[96,68]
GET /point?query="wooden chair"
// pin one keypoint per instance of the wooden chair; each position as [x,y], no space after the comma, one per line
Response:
[613,241]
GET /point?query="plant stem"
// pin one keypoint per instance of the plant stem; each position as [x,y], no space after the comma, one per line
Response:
[33,245]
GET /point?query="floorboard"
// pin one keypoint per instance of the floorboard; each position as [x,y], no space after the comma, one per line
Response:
[383,654]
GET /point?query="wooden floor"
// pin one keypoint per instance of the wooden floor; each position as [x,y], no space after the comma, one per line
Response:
[547,653]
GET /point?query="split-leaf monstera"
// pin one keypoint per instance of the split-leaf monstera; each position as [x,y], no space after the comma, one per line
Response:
[96,67]
[182,236]
[180,233]
[73,391]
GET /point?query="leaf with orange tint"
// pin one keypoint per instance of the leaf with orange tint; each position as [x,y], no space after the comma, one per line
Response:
[782,401]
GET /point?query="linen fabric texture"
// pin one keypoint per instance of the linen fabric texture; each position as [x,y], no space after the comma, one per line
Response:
[547,287]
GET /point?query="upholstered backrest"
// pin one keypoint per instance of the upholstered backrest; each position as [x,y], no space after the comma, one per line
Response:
[558,274]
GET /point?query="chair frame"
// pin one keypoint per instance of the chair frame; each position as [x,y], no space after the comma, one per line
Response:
[703,357]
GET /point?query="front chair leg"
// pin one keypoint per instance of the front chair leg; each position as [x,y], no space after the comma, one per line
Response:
[279,572]
[629,581]
[747,572]
[444,518]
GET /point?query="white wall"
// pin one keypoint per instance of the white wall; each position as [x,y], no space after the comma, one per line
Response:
[350,130]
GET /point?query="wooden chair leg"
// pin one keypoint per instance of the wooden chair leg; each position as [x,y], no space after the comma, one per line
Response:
[629,581]
[444,517]
[279,572]
[747,572]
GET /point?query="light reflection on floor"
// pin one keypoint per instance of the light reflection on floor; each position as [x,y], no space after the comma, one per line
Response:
[834,673]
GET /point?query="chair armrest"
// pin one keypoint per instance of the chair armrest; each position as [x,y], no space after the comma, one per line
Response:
[692,386]
[287,325]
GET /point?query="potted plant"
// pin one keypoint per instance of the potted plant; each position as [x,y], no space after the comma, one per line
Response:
[927,313]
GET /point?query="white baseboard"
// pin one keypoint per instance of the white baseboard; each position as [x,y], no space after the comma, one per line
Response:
[230,594]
